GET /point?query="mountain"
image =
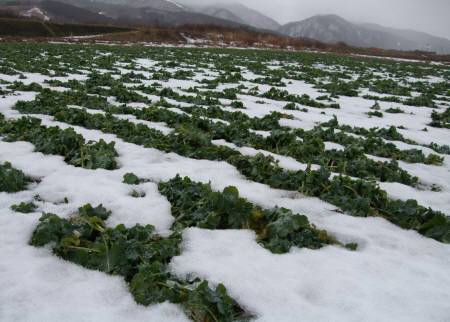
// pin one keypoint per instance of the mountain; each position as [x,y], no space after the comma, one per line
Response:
[222,13]
[334,29]
[164,13]
[423,40]
[49,10]
[241,14]
[116,12]
[253,17]
[151,17]
[164,5]
[155,5]
[152,13]
[67,13]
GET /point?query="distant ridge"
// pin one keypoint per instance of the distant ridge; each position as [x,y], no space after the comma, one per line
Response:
[242,14]
[334,29]
[148,13]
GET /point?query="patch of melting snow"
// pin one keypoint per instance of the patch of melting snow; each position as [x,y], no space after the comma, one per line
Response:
[35,12]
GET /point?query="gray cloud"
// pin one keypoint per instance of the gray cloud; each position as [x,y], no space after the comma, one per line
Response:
[432,16]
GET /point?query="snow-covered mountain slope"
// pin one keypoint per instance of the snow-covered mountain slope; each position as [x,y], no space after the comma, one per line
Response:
[334,29]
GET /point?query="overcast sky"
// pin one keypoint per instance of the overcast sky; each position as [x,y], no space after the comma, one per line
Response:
[432,16]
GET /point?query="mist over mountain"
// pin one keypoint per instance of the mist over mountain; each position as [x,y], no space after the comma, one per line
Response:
[241,14]
[334,29]
[422,40]
[428,16]
[221,13]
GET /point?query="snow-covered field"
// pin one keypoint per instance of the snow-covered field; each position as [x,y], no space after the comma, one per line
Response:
[366,132]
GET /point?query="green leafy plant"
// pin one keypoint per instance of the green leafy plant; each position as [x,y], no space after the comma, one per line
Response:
[131,178]
[278,229]
[140,256]
[67,143]
[441,120]
[237,105]
[24,207]
[11,179]
[375,113]
[394,110]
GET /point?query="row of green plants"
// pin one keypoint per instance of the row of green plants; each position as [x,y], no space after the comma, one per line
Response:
[311,149]
[95,80]
[197,205]
[303,66]
[270,122]
[441,120]
[212,110]
[392,134]
[283,95]
[352,161]
[67,143]
[355,197]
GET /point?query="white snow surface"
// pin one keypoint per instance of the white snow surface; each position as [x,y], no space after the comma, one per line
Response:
[395,275]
